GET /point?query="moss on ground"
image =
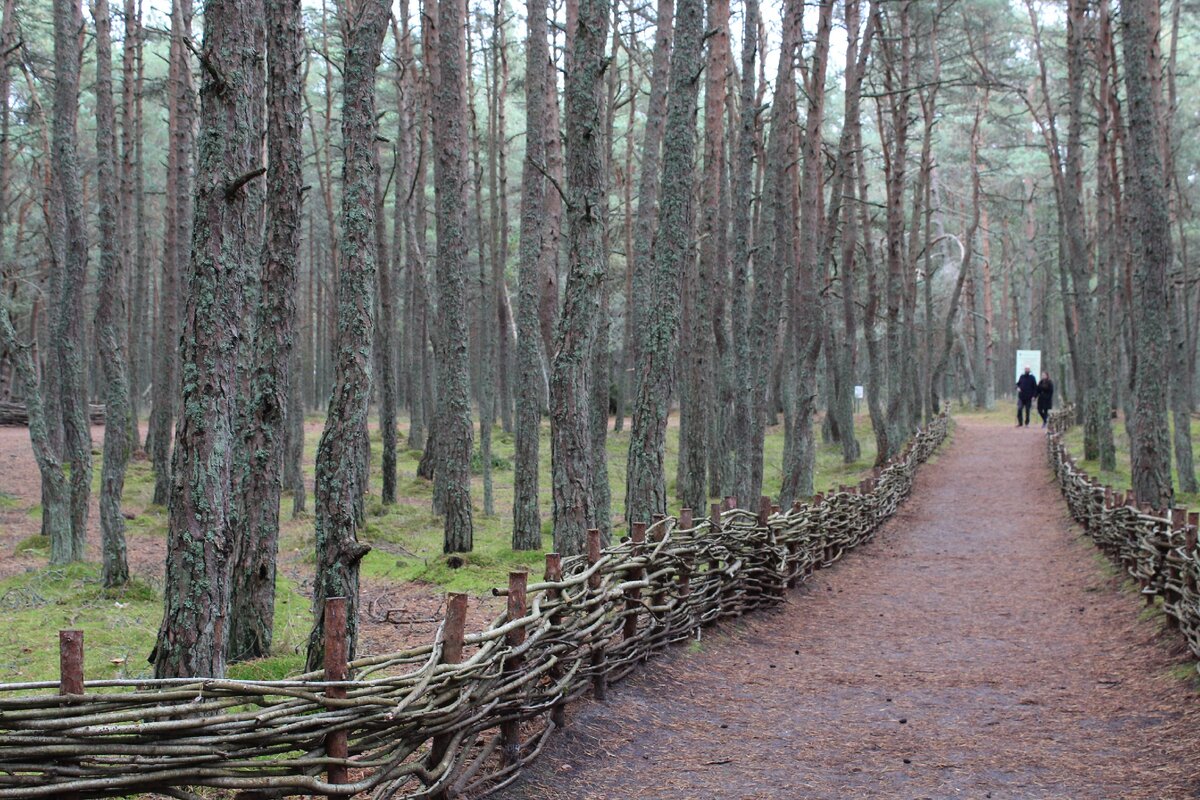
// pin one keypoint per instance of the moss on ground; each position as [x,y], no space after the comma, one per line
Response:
[120,627]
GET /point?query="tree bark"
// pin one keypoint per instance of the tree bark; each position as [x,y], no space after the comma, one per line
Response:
[452,474]
[808,320]
[341,473]
[646,491]
[572,376]
[527,526]
[110,315]
[177,222]
[744,264]
[1153,249]
[252,610]
[203,513]
[70,356]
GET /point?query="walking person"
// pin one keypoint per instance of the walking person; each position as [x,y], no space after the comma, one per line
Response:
[1045,397]
[1026,391]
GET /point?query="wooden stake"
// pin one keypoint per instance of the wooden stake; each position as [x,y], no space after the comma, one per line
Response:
[336,744]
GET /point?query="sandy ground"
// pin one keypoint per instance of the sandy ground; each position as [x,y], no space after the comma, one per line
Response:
[977,648]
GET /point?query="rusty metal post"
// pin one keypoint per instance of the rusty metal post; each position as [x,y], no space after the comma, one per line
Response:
[336,651]
[599,681]
[510,731]
[453,633]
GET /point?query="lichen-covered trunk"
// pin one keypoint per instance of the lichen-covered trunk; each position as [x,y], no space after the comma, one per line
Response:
[56,495]
[646,491]
[573,372]
[699,362]
[252,570]
[208,455]
[1153,252]
[1093,389]
[177,224]
[340,471]
[649,180]
[385,347]
[452,473]
[110,316]
[777,246]
[807,321]
[527,526]
[67,338]
[742,184]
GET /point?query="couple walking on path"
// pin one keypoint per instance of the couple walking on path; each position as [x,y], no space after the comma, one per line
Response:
[1029,389]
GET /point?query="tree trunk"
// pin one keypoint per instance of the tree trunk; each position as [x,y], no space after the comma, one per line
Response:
[1148,207]
[527,526]
[252,611]
[70,355]
[341,475]
[1097,419]
[203,516]
[56,500]
[176,241]
[110,315]
[646,491]
[744,346]
[385,342]
[649,178]
[573,373]
[452,473]
[808,322]
[700,366]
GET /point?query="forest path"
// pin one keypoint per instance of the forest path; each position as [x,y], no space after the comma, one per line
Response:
[977,648]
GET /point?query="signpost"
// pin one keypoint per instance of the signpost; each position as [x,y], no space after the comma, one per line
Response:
[1031,359]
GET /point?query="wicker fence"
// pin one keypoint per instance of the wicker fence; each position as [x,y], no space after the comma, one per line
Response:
[460,715]
[1155,547]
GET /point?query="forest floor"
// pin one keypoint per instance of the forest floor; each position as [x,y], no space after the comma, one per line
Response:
[404,577]
[979,647]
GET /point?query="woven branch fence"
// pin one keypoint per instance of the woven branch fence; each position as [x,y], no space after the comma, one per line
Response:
[460,715]
[1155,547]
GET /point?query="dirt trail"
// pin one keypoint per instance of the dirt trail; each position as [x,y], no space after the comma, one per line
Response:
[977,648]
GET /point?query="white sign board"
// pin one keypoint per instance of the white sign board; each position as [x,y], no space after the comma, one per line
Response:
[858,393]
[1031,359]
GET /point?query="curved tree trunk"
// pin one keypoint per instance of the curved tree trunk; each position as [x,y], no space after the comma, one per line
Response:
[208,455]
[110,316]
[646,491]
[67,338]
[341,473]
[573,373]
[527,525]
[252,611]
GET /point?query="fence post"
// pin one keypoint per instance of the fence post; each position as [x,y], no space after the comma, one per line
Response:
[70,662]
[336,742]
[764,511]
[510,731]
[453,633]
[70,668]
[685,570]
[599,684]
[632,596]
[730,502]
[553,574]
[1189,549]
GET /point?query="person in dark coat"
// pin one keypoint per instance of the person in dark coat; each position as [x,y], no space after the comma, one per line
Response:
[1026,391]
[1045,397]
